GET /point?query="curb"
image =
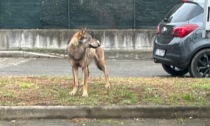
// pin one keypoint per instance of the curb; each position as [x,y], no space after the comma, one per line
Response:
[129,55]
[100,112]
[26,54]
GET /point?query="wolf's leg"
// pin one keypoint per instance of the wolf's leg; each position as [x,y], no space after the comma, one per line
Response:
[82,82]
[85,85]
[75,75]
[100,62]
[103,66]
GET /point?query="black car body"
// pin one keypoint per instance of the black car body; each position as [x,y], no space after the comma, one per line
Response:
[179,45]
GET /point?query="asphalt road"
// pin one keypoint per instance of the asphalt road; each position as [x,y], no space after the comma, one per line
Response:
[109,122]
[61,67]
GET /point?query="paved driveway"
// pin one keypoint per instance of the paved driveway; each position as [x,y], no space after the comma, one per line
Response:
[109,122]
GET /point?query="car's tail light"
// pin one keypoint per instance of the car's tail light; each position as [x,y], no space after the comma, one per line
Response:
[158,29]
[183,30]
[184,1]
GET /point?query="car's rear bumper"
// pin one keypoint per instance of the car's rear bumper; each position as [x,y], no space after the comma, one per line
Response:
[176,53]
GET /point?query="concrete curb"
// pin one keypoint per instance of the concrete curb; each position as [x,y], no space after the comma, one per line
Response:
[67,112]
[111,54]
[26,54]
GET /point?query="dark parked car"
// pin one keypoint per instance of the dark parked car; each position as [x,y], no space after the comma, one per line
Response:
[179,45]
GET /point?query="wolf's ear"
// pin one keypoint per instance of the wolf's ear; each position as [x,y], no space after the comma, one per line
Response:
[82,31]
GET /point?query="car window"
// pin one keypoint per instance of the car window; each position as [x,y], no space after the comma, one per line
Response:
[183,12]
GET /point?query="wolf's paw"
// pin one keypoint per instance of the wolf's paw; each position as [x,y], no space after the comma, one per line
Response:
[85,94]
[72,93]
[108,86]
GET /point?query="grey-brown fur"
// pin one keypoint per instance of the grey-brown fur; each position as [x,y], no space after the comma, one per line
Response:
[81,50]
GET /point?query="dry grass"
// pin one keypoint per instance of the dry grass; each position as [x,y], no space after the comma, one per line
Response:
[125,91]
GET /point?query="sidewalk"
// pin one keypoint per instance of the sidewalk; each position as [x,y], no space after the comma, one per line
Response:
[110,54]
[27,54]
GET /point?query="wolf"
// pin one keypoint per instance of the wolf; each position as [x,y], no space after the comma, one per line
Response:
[81,50]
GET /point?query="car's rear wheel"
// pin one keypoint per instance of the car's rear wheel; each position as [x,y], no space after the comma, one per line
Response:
[174,71]
[200,64]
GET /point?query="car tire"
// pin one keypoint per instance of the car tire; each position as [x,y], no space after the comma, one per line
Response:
[200,64]
[174,71]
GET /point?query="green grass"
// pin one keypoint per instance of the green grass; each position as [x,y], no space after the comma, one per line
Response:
[48,90]
[25,85]
[9,95]
[188,97]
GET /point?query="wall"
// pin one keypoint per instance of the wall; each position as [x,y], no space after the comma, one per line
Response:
[58,39]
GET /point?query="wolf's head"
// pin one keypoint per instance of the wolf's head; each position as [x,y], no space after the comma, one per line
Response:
[83,38]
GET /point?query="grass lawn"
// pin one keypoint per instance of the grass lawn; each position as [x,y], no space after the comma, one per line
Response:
[16,91]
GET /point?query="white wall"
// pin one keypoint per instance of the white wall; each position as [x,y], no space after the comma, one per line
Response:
[58,39]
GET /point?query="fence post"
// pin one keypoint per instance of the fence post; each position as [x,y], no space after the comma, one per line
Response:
[69,16]
[134,14]
[0,15]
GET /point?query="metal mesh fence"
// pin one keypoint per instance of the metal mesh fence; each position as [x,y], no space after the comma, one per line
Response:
[97,14]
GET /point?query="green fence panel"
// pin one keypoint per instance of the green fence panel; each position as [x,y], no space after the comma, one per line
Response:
[20,13]
[148,13]
[54,14]
[101,13]
[95,14]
